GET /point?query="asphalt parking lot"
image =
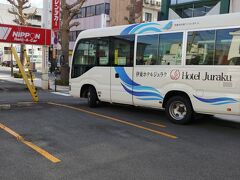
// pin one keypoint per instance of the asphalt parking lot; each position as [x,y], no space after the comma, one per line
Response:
[115,142]
[112,142]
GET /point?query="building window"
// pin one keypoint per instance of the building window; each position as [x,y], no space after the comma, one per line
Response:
[192,8]
[100,9]
[82,13]
[107,8]
[94,10]
[78,32]
[148,17]
[90,11]
[72,36]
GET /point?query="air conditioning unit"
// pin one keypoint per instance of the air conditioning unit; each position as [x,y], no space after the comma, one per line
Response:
[146,1]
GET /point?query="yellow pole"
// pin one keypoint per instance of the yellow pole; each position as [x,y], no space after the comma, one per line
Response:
[28,66]
[30,87]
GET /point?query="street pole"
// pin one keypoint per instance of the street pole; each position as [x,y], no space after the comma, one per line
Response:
[45,77]
[11,61]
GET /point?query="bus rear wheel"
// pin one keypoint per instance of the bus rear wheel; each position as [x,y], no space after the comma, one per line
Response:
[179,110]
[92,97]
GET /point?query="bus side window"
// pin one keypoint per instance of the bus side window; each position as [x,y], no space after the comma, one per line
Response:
[200,47]
[170,49]
[103,51]
[84,57]
[163,49]
[227,47]
[123,50]
[147,49]
[214,47]
[85,53]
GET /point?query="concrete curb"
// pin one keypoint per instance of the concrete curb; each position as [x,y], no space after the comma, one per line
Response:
[5,106]
[15,105]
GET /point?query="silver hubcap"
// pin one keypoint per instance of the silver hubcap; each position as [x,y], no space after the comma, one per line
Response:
[178,110]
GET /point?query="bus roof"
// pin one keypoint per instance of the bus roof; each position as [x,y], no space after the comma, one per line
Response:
[213,21]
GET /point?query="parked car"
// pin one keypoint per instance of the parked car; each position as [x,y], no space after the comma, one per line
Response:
[7,63]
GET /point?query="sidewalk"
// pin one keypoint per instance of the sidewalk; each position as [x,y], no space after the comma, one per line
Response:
[5,74]
[13,91]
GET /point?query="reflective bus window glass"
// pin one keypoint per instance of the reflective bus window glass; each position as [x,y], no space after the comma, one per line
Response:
[147,50]
[103,52]
[227,47]
[170,49]
[123,50]
[200,48]
[85,53]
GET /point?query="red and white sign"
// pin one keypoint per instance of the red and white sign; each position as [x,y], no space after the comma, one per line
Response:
[55,15]
[175,74]
[24,35]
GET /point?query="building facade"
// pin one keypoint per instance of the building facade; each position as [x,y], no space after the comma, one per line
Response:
[151,10]
[146,11]
[119,12]
[176,9]
[93,14]
[105,13]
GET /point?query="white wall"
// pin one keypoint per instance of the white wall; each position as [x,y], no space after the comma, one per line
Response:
[173,15]
[215,10]
[235,6]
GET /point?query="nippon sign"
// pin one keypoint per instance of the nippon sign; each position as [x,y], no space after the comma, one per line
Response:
[24,35]
[55,15]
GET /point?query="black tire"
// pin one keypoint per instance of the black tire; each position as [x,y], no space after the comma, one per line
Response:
[179,110]
[92,97]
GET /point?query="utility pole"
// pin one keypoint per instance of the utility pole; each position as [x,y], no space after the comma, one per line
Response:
[45,17]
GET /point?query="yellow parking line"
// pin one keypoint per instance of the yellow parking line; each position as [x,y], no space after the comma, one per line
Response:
[115,119]
[29,144]
[155,124]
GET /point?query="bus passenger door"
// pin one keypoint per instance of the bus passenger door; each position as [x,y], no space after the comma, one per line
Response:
[122,69]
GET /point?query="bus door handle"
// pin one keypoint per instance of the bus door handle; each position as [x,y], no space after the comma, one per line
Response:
[116,75]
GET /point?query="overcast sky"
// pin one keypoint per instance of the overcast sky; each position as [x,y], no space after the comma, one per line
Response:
[35,3]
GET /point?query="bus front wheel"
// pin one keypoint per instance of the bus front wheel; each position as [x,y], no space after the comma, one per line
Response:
[92,97]
[179,110]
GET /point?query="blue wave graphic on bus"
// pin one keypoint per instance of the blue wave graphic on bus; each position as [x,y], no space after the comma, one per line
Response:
[218,101]
[124,77]
[146,27]
[141,92]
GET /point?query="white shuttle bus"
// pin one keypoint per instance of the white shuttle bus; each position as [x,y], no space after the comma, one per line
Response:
[183,66]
